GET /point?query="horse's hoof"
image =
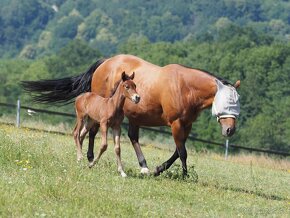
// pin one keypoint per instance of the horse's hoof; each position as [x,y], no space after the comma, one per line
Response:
[79,157]
[145,171]
[157,171]
[123,174]
[91,164]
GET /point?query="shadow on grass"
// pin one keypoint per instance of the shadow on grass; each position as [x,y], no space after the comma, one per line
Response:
[175,173]
[241,190]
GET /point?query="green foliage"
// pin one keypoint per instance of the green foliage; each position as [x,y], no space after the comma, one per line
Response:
[73,59]
[21,22]
[106,25]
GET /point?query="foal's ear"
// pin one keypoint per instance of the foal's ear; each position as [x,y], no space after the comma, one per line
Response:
[124,76]
[237,84]
[132,76]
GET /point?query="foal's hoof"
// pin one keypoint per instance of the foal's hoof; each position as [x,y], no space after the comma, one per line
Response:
[145,170]
[123,174]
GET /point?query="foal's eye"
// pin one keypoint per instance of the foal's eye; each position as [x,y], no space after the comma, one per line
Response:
[126,87]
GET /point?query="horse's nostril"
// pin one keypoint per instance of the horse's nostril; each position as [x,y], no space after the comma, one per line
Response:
[230,131]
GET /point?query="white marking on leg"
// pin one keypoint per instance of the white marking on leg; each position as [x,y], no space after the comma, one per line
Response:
[123,174]
[145,170]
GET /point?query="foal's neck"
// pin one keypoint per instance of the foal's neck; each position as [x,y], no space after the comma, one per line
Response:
[118,98]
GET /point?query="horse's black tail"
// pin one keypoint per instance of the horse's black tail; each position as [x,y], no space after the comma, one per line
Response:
[61,90]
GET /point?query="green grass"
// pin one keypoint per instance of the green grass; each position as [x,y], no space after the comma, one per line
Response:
[41,178]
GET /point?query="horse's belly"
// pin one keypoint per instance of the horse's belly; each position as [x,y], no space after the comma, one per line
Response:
[145,116]
[147,121]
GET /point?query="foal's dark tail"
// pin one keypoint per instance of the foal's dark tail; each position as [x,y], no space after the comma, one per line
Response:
[61,90]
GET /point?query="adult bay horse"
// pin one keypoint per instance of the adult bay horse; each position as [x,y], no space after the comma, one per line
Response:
[172,96]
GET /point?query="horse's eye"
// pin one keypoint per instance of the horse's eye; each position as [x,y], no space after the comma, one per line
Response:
[126,87]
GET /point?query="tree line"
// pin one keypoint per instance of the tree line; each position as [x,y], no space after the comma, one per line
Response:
[262,63]
[34,28]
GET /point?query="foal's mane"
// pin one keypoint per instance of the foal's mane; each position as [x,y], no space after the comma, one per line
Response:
[225,82]
[116,85]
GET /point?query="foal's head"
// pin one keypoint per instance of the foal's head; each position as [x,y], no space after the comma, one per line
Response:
[128,87]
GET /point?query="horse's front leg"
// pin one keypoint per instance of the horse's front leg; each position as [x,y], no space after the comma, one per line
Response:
[104,143]
[133,134]
[92,134]
[116,135]
[180,133]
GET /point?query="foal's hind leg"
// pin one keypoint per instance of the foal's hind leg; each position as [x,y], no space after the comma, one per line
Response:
[88,124]
[116,135]
[77,139]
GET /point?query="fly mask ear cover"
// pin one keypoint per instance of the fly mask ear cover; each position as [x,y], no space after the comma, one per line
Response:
[226,102]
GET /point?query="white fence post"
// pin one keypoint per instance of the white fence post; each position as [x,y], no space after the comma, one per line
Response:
[18,114]
[227,148]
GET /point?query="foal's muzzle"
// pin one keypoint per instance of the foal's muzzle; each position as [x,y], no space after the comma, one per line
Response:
[136,98]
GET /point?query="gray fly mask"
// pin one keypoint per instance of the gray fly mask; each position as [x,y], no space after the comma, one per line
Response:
[226,102]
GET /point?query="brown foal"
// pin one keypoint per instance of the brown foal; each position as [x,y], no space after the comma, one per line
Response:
[94,111]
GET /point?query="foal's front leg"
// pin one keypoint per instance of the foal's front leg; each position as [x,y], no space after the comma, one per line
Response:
[116,135]
[104,144]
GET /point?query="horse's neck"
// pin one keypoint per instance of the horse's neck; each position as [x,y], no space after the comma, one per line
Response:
[204,89]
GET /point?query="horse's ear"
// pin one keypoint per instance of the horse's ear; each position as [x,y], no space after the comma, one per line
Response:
[124,77]
[132,76]
[220,85]
[237,84]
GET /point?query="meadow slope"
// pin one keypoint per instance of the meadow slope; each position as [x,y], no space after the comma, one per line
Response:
[40,177]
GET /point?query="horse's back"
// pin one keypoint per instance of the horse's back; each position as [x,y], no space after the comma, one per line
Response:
[164,90]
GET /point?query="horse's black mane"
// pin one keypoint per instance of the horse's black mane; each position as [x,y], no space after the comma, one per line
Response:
[225,82]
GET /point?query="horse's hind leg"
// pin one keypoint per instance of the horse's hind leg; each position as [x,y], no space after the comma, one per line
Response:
[116,135]
[180,134]
[133,134]
[92,134]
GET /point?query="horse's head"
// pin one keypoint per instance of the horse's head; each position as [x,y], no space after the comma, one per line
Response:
[226,107]
[129,87]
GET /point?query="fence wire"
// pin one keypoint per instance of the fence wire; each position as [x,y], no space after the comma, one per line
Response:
[281,153]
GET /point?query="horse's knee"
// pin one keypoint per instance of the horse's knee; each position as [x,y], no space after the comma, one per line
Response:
[104,147]
[117,149]
[130,135]
[76,134]
[133,136]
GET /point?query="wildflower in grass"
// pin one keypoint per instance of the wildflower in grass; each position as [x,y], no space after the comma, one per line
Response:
[23,164]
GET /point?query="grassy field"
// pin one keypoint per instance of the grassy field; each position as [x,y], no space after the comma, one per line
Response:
[41,178]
